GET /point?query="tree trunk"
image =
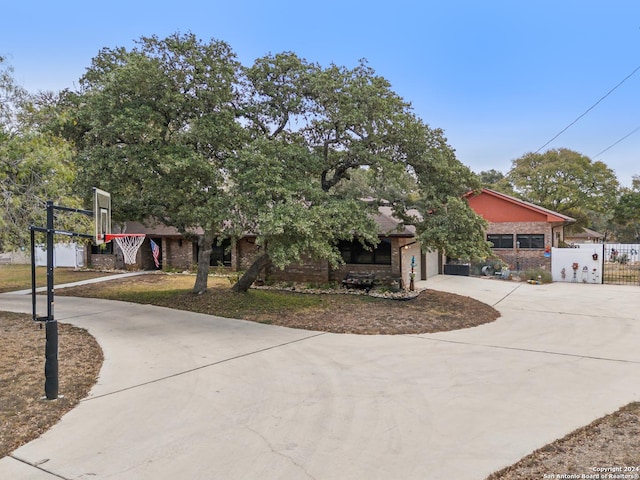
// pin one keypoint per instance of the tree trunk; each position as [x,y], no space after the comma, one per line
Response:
[250,276]
[204,257]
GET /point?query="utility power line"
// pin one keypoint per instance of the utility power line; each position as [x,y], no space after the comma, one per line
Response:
[617,142]
[589,109]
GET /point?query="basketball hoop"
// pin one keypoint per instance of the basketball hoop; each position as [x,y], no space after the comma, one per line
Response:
[129,243]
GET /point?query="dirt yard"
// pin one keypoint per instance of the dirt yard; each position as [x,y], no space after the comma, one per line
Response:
[25,414]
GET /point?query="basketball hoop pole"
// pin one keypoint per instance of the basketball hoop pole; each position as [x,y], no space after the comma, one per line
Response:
[51,326]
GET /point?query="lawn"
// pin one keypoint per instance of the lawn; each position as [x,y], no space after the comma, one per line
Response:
[18,277]
[622,273]
[335,311]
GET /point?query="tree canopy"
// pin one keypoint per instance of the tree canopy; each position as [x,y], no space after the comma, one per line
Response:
[178,131]
[35,167]
[312,129]
[565,181]
[627,213]
[154,126]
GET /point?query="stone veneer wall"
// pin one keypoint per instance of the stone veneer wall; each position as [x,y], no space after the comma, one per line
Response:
[102,262]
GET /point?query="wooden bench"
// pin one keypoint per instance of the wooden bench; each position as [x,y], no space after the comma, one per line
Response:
[359,280]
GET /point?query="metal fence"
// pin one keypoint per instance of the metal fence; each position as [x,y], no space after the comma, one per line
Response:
[621,264]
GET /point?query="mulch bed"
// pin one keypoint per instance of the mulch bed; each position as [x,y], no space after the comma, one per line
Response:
[431,311]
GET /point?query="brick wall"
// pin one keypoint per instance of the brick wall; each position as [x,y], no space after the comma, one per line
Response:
[524,258]
[317,271]
[383,273]
[114,261]
[178,253]
[244,253]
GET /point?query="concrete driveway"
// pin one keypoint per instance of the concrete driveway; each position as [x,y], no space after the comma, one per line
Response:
[191,396]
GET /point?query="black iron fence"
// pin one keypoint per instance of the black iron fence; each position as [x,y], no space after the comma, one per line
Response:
[621,264]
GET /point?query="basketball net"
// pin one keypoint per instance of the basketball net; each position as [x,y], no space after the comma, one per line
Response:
[129,244]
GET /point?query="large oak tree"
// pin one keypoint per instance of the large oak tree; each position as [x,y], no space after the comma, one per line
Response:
[155,126]
[627,213]
[312,127]
[178,131]
[564,181]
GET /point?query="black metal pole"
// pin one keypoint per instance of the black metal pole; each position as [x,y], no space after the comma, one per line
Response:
[51,347]
[34,313]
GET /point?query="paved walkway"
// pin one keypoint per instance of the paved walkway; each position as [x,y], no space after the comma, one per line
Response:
[85,282]
[191,396]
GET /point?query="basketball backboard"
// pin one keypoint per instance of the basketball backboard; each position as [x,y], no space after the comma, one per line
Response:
[101,215]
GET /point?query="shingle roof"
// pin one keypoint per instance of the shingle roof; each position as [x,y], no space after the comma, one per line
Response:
[387,224]
[585,233]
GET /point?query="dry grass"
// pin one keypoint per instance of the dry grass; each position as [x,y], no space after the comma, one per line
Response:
[18,277]
[608,443]
[24,412]
[622,274]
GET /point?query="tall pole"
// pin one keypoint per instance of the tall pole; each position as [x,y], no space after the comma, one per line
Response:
[51,330]
[33,274]
[51,346]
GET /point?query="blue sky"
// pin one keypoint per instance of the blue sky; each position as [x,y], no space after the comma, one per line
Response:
[500,77]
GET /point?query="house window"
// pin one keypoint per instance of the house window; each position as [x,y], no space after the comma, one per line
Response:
[500,240]
[103,249]
[531,240]
[354,253]
[221,253]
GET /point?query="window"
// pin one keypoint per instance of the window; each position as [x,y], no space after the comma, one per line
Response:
[221,253]
[353,252]
[531,240]
[104,249]
[501,240]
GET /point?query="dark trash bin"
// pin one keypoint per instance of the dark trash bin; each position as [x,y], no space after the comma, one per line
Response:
[456,270]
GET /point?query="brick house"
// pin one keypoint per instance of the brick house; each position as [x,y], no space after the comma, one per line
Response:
[520,232]
[391,260]
[585,235]
[175,251]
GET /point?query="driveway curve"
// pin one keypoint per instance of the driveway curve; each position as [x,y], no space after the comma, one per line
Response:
[185,395]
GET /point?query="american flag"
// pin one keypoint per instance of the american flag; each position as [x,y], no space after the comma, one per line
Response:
[155,251]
